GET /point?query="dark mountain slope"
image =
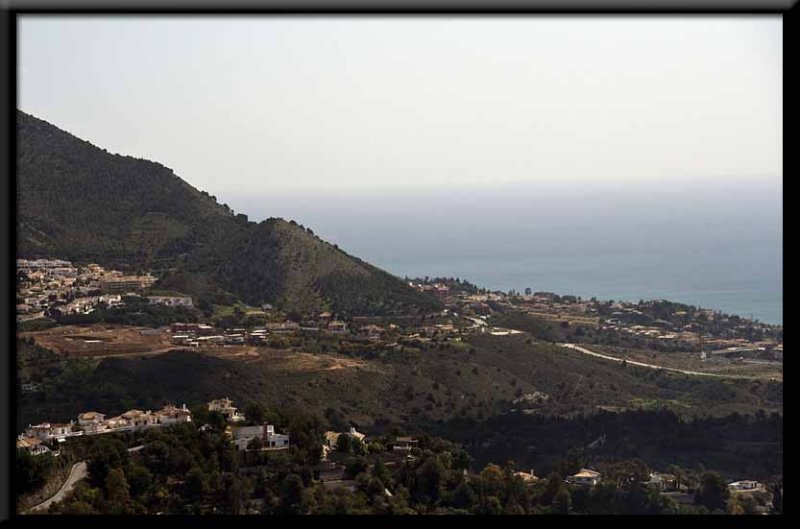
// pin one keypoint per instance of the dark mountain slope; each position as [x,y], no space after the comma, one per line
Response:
[79,202]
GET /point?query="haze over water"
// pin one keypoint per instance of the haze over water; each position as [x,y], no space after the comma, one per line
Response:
[619,157]
[707,244]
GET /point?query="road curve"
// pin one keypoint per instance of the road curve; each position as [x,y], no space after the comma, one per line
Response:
[77,473]
[651,366]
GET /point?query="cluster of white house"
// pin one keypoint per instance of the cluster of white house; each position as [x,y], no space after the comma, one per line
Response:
[663,482]
[225,407]
[59,286]
[198,334]
[93,423]
[243,436]
[403,444]
[48,283]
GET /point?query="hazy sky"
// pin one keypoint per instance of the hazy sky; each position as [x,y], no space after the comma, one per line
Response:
[283,105]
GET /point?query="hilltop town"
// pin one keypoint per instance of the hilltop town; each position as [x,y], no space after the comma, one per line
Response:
[77,310]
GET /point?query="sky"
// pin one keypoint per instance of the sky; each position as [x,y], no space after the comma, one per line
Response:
[337,106]
[622,157]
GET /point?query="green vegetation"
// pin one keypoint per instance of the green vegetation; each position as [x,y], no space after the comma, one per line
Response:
[735,445]
[555,393]
[183,470]
[81,203]
[137,312]
[512,400]
[563,331]
[39,324]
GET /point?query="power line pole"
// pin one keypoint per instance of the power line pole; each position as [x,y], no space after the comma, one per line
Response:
[702,352]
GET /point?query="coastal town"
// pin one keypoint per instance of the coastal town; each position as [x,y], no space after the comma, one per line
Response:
[87,312]
[76,304]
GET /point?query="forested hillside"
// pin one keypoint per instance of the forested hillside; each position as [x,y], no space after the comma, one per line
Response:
[79,202]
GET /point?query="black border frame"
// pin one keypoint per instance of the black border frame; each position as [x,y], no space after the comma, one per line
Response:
[8,22]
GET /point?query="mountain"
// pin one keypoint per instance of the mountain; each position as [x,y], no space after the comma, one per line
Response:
[80,202]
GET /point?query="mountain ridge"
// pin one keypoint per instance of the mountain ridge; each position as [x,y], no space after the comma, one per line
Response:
[77,201]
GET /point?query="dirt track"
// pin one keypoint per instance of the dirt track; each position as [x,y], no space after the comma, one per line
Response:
[652,366]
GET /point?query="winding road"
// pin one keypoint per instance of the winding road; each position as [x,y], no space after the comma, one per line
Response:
[77,473]
[651,366]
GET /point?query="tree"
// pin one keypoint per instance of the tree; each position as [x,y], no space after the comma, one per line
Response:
[354,466]
[375,487]
[255,413]
[464,496]
[336,419]
[139,478]
[200,414]
[555,484]
[491,480]
[117,489]
[562,501]
[196,484]
[380,471]
[235,491]
[627,474]
[713,491]
[255,444]
[430,477]
[777,496]
[292,493]
[358,447]
[31,470]
[73,507]
[106,454]
[217,421]
[344,443]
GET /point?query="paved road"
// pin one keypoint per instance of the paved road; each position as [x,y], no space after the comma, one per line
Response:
[77,473]
[651,366]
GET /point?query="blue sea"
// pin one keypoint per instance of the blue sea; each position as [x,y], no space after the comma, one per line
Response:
[717,245]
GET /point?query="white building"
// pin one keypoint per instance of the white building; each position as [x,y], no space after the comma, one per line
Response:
[746,486]
[527,477]
[139,418]
[90,419]
[117,422]
[275,440]
[243,435]
[60,430]
[32,445]
[173,415]
[586,477]
[331,438]
[171,301]
[225,407]
[404,444]
[38,431]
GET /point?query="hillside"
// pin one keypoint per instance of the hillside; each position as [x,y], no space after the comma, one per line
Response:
[479,378]
[79,202]
[502,397]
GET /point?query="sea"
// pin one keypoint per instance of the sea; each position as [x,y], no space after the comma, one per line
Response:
[716,244]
